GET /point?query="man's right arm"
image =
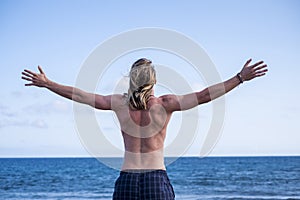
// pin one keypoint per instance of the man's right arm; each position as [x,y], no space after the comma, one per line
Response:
[69,92]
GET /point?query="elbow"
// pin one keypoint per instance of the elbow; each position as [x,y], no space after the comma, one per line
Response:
[81,98]
[77,98]
[207,99]
[204,97]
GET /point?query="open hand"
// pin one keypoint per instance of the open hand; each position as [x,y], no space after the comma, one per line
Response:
[35,79]
[252,71]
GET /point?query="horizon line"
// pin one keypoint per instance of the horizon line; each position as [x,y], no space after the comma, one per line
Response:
[186,156]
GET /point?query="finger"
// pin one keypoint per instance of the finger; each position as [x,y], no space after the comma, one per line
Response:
[26,74]
[27,79]
[258,63]
[261,71]
[29,84]
[260,67]
[41,70]
[248,62]
[262,74]
[30,72]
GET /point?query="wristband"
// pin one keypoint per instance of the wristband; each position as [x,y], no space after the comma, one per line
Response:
[239,76]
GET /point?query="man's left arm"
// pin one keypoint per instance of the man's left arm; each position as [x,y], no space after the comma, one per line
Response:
[188,101]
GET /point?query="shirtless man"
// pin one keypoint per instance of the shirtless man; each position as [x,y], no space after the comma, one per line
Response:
[143,119]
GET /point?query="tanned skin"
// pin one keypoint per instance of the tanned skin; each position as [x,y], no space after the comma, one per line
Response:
[144,131]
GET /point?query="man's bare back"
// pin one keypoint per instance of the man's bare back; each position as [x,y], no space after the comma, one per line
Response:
[144,133]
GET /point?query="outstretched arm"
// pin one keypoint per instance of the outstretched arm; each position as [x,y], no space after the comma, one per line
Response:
[184,102]
[72,93]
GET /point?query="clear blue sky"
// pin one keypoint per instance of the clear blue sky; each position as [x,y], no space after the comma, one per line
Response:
[262,116]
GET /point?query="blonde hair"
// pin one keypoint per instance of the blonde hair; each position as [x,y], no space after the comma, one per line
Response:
[142,79]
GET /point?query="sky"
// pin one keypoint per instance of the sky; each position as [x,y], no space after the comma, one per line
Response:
[261,116]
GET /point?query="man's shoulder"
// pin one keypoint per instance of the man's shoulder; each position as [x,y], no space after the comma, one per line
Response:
[170,102]
[167,97]
[118,96]
[118,100]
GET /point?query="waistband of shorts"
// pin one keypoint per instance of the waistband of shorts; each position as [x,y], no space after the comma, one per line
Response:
[140,171]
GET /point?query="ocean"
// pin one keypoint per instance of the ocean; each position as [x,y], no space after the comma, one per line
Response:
[193,178]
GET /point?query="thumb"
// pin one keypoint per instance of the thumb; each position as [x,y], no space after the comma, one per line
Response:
[41,70]
[247,63]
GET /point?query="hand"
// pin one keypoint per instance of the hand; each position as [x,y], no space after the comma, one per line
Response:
[36,79]
[252,71]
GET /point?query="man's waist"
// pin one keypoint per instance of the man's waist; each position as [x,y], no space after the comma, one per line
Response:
[144,161]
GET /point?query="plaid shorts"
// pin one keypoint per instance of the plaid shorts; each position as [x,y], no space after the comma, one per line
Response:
[143,185]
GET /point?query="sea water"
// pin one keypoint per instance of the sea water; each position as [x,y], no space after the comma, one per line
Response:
[193,178]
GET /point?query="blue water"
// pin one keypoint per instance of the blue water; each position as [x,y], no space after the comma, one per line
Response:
[192,178]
